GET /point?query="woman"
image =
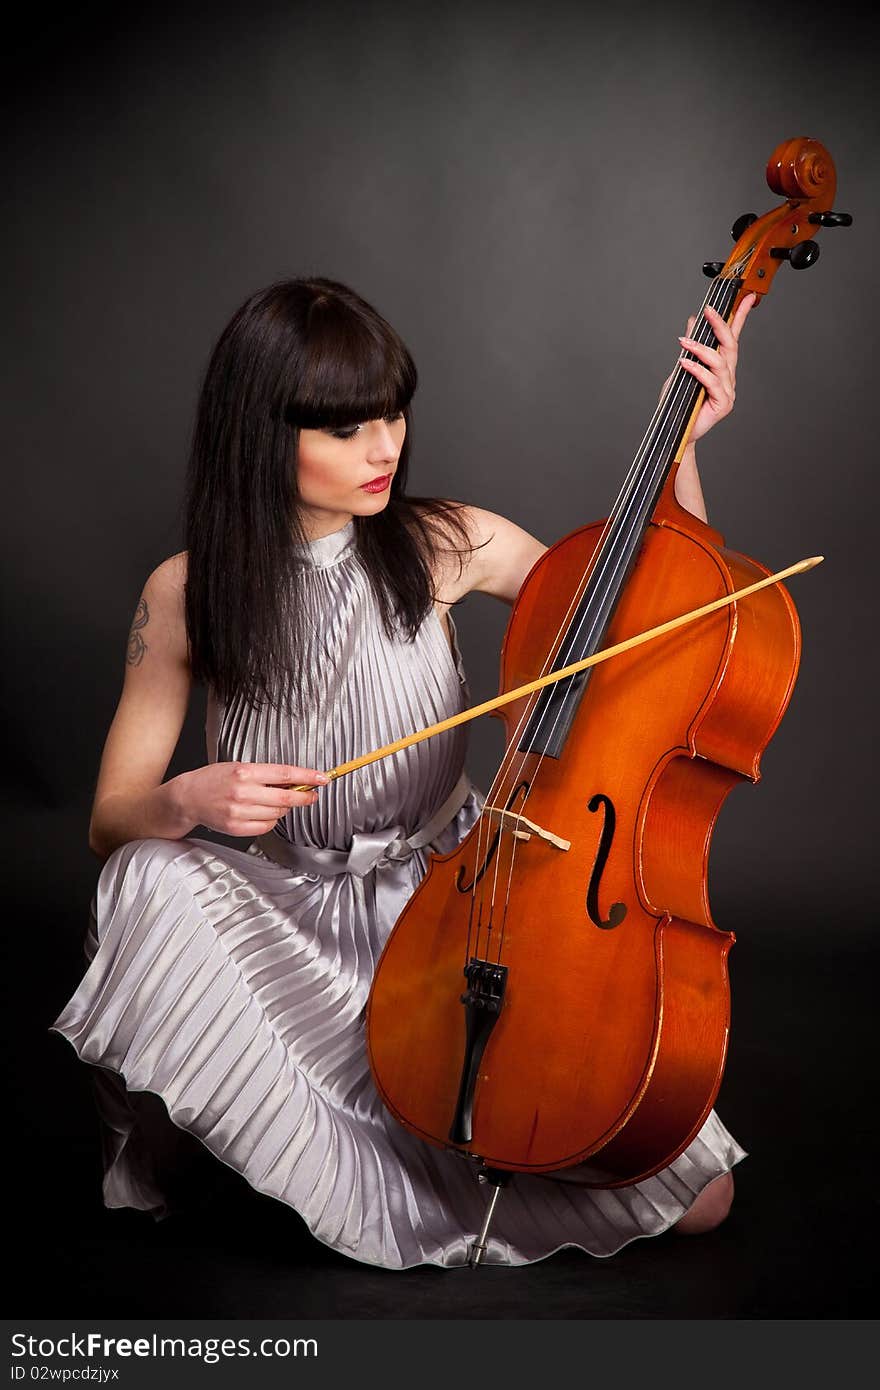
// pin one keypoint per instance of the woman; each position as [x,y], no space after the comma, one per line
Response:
[230,984]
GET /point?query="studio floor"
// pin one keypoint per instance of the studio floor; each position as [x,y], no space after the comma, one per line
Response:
[797,1245]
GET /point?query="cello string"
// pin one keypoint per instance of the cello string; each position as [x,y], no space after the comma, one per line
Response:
[593,574]
[672,424]
[674,403]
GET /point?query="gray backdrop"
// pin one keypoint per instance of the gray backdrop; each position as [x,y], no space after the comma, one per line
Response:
[527,193]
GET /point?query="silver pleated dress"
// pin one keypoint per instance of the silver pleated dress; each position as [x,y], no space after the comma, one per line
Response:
[233,985]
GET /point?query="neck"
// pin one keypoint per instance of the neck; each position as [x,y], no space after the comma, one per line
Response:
[316,528]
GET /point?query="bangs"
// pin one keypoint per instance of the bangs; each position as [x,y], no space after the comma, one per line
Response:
[354,370]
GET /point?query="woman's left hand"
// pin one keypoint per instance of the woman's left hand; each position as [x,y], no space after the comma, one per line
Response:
[716,367]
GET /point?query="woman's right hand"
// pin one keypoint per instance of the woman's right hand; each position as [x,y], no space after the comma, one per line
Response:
[241,799]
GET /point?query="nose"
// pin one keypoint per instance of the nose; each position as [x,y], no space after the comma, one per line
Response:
[382,447]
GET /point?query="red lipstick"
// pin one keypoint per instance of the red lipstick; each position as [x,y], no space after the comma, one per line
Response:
[378,484]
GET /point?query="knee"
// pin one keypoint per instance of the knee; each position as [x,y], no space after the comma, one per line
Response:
[135,867]
[710,1208]
[139,859]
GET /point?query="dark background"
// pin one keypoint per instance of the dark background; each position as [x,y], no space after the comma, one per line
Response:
[527,193]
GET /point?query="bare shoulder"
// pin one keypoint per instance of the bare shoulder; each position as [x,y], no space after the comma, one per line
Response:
[501,556]
[506,554]
[172,572]
[160,617]
[166,585]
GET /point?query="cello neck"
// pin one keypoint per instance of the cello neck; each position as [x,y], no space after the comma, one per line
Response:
[556,706]
[669,427]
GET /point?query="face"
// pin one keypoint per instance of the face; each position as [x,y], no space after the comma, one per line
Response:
[333,465]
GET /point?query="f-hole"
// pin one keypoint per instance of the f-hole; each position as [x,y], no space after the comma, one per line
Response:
[618,910]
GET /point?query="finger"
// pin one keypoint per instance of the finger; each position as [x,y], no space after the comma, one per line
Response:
[705,353]
[255,827]
[278,800]
[722,368]
[282,774]
[257,811]
[742,313]
[721,329]
[304,799]
[713,388]
[728,333]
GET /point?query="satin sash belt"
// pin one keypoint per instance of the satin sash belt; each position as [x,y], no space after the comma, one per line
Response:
[369,849]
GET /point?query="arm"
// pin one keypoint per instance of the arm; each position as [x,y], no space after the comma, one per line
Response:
[131,801]
[500,567]
[688,492]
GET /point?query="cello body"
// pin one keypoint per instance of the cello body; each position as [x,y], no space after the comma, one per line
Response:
[612,1039]
[555,992]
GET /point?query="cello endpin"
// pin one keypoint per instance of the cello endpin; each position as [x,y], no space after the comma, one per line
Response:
[478,1249]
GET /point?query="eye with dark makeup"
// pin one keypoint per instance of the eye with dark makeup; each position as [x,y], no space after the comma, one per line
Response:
[349,431]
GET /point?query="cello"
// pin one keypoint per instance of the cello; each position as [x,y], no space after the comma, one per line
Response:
[556,992]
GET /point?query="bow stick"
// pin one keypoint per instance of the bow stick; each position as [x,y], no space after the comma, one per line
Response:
[559,675]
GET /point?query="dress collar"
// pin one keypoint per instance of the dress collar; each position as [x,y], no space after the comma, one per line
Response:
[329,550]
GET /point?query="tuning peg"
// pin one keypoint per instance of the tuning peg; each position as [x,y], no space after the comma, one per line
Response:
[799,257]
[742,224]
[831,219]
[712,268]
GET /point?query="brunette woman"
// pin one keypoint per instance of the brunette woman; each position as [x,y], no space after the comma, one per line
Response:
[229,984]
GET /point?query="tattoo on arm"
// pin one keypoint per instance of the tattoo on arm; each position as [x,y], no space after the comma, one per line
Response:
[136,644]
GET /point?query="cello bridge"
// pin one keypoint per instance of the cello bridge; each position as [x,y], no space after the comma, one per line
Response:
[514,822]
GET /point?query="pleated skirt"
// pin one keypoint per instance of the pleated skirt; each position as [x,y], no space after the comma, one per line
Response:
[235,992]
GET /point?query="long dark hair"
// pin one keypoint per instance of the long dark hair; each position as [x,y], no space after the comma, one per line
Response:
[302,354]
